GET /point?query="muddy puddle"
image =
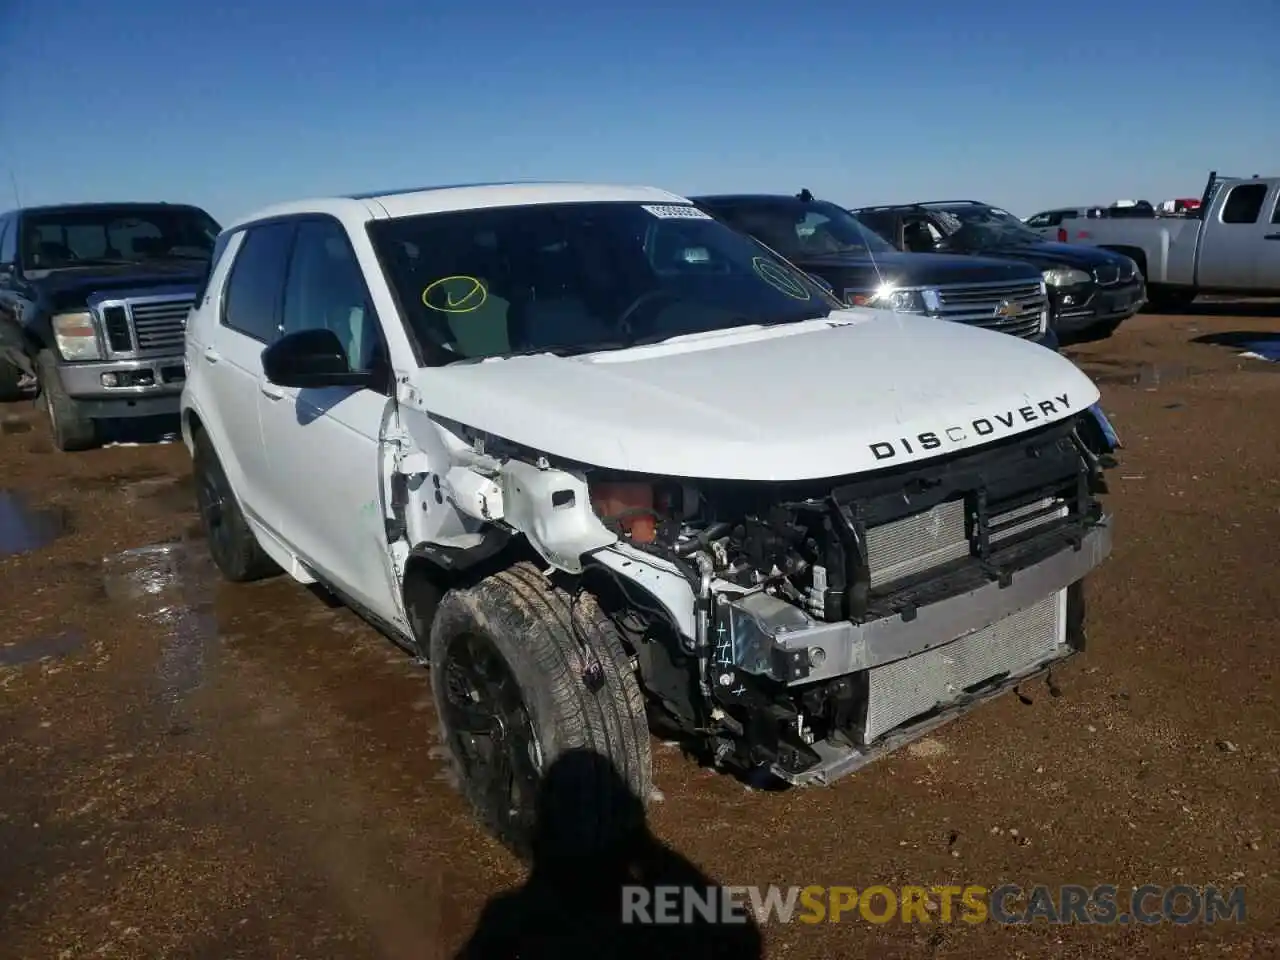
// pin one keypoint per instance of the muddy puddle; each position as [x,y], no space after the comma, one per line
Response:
[53,647]
[170,588]
[24,528]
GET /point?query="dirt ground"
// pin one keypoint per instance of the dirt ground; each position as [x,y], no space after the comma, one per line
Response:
[194,770]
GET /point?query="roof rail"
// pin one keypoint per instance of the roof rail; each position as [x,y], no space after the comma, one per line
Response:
[891,206]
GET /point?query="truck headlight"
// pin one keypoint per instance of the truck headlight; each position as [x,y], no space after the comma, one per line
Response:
[76,336]
[1065,277]
[889,297]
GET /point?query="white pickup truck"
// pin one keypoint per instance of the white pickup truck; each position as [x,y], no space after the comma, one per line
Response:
[1231,245]
[598,458]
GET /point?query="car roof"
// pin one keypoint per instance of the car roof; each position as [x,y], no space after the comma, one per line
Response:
[471,196]
[102,205]
[739,197]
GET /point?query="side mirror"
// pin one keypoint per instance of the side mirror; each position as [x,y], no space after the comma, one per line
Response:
[310,359]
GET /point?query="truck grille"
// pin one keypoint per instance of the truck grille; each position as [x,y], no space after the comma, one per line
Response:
[1013,308]
[919,543]
[147,326]
[160,327]
[1107,274]
[914,686]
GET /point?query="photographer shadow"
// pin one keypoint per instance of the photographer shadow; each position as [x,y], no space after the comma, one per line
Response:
[590,842]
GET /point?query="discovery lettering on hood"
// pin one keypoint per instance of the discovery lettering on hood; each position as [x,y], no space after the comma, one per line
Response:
[982,426]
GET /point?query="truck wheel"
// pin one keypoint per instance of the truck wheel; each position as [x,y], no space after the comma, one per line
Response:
[523,673]
[235,550]
[71,431]
[1169,299]
[10,377]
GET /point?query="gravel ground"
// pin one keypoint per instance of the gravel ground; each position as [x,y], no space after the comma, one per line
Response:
[190,769]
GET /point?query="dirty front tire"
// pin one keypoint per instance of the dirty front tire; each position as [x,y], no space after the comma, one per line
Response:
[233,546]
[533,687]
[70,430]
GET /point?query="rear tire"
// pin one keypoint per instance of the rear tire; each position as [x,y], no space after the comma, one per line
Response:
[541,713]
[234,548]
[71,431]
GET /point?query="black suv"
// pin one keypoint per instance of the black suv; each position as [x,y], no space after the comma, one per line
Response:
[1092,290]
[828,242]
[93,309]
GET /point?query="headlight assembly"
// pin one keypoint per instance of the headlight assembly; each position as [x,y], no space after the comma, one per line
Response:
[889,297]
[76,336]
[1065,277]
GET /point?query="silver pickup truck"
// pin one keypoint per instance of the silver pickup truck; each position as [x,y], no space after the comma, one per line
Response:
[1231,245]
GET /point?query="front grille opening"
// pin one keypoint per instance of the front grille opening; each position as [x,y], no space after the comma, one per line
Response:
[945,538]
[116,325]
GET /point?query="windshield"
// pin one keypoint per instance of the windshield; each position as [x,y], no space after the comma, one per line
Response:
[801,230]
[573,278]
[88,236]
[973,227]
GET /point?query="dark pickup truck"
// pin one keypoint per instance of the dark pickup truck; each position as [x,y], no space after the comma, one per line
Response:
[863,269]
[93,308]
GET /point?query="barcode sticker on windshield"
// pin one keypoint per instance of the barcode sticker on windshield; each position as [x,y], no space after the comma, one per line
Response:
[676,211]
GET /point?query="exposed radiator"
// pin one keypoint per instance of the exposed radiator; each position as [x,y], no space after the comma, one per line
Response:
[908,688]
[926,540]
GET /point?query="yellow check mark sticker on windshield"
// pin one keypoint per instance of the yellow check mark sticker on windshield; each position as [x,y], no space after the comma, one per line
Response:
[455,294]
[778,278]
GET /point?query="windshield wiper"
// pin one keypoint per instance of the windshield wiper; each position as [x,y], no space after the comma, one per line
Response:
[575,349]
[96,262]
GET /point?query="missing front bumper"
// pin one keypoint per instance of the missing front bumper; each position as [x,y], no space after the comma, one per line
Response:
[836,760]
[767,636]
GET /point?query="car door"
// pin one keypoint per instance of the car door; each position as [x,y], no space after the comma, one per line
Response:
[231,366]
[1231,235]
[1266,269]
[324,444]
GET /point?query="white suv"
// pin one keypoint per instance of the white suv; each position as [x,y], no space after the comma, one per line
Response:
[593,455]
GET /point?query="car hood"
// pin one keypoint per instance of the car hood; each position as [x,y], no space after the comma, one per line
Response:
[68,289]
[1046,255]
[860,390]
[913,269]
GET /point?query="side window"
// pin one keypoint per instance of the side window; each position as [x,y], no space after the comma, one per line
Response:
[326,291]
[252,302]
[886,226]
[1040,220]
[9,240]
[1275,215]
[1244,203]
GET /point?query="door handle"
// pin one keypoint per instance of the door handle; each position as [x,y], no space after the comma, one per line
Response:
[1272,236]
[271,391]
[212,355]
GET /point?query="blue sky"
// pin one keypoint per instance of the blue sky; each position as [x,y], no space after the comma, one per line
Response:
[234,104]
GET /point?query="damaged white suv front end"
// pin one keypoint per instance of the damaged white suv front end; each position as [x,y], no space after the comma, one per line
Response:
[632,467]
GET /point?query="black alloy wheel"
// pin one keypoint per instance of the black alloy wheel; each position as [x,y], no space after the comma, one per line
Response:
[491,734]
